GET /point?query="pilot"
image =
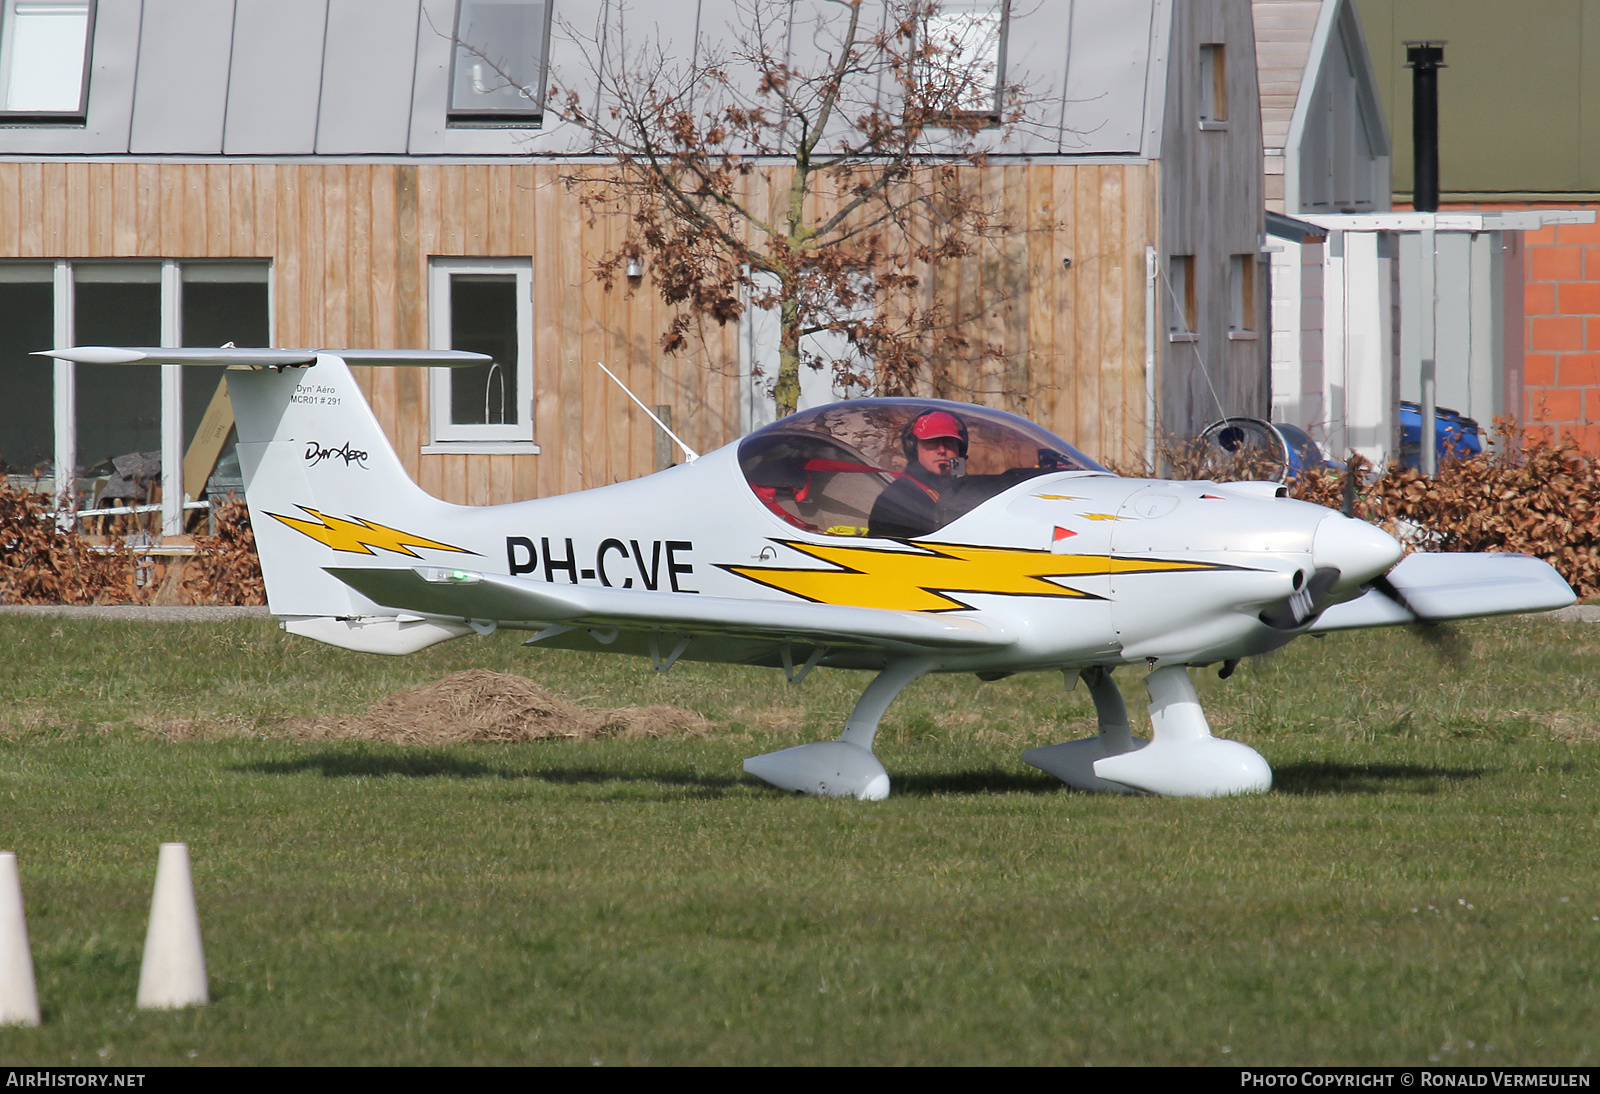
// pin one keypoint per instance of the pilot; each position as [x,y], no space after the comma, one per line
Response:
[935,444]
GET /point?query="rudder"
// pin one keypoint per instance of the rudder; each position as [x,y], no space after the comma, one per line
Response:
[319,473]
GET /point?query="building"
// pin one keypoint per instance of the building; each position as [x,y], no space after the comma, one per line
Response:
[340,173]
[1353,328]
[1516,132]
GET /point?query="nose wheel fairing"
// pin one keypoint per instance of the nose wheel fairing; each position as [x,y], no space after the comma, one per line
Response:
[1073,762]
[1181,759]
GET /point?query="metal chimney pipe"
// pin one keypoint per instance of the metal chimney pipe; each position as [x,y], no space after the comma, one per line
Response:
[1425,59]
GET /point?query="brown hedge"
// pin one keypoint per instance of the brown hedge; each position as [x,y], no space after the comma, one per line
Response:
[41,564]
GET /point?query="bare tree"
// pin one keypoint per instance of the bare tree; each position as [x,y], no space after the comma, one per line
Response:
[817,162]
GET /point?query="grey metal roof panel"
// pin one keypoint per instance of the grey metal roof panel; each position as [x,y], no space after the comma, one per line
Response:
[1155,101]
[368,65]
[1038,45]
[581,41]
[181,88]
[276,80]
[1085,66]
[430,89]
[430,132]
[1103,107]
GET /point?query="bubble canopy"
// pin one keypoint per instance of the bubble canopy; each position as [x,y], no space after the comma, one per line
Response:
[843,468]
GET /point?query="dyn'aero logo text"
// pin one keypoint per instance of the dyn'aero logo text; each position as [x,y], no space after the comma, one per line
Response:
[315,454]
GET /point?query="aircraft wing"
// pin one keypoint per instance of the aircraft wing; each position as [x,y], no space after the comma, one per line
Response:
[463,594]
[1454,586]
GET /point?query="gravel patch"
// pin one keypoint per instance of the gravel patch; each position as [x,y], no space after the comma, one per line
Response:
[138,613]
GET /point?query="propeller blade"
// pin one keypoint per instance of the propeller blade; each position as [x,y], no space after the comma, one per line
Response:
[1447,643]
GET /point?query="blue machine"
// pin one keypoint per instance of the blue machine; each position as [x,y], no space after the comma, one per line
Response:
[1457,437]
[1304,452]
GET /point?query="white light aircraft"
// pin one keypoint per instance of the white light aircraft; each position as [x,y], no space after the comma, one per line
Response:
[903,536]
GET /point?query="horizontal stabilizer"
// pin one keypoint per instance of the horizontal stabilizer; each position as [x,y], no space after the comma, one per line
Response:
[463,594]
[1454,586]
[262,358]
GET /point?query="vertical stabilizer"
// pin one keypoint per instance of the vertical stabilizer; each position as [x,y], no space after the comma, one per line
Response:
[325,487]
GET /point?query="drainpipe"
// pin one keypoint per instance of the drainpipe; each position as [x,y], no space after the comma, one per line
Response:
[1425,59]
[1150,358]
[1428,294]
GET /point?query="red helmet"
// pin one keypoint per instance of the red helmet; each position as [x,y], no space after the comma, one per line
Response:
[931,424]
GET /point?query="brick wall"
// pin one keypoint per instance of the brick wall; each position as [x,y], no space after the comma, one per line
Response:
[1561,307]
[1561,368]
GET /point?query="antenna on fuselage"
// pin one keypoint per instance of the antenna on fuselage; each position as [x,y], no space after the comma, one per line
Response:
[690,454]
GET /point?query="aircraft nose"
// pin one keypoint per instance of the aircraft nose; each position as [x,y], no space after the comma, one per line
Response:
[1358,550]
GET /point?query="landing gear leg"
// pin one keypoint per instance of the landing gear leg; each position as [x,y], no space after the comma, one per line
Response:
[845,768]
[1074,762]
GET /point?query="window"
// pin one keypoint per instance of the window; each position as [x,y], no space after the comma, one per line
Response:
[483,305]
[65,428]
[1242,296]
[1213,86]
[497,76]
[117,409]
[1181,310]
[44,58]
[965,63]
[27,437]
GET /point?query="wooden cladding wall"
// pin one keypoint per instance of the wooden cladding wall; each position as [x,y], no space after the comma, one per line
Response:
[350,245]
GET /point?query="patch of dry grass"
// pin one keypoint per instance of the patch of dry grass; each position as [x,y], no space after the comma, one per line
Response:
[474,705]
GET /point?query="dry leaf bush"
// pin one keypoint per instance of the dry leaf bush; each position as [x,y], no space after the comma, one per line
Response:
[41,564]
[226,571]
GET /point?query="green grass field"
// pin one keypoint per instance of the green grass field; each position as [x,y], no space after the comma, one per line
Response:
[1423,883]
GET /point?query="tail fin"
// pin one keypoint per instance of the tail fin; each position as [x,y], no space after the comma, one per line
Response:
[319,473]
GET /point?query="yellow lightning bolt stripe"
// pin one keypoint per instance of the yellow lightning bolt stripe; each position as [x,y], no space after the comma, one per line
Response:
[919,580]
[1101,516]
[1059,497]
[359,536]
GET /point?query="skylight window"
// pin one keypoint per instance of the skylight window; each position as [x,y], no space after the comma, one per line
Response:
[498,74]
[44,57]
[966,45]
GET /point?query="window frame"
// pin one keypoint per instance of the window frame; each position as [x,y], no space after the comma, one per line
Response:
[1243,285]
[76,117]
[1213,86]
[1183,316]
[992,115]
[501,117]
[64,276]
[760,331]
[445,436]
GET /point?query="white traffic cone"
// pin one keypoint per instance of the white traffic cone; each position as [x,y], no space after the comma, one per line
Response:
[19,1002]
[174,969]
